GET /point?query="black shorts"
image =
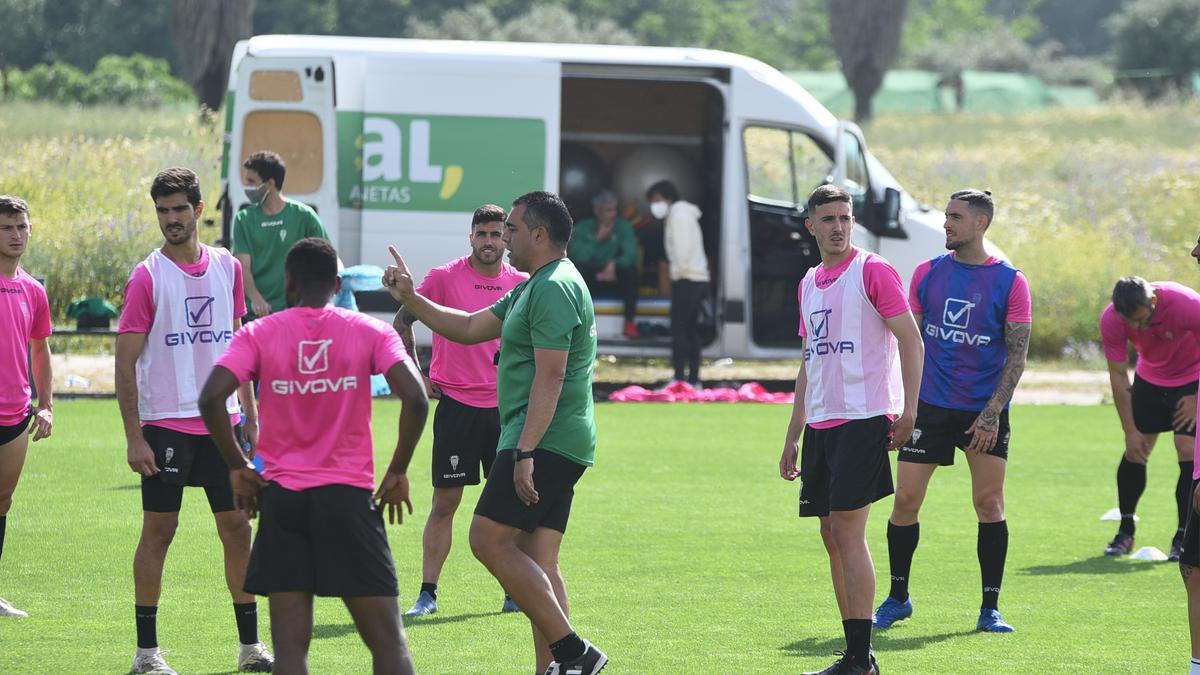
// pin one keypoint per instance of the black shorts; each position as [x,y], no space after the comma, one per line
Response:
[1191,534]
[10,433]
[327,540]
[1154,406]
[464,440]
[845,467]
[554,477]
[939,430]
[185,460]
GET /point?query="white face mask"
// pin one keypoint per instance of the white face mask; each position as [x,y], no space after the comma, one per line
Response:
[659,209]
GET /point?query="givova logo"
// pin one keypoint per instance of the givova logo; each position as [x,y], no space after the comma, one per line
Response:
[436,163]
[198,313]
[956,319]
[819,343]
[313,358]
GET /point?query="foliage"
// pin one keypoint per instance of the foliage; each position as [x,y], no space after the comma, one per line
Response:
[683,555]
[80,32]
[86,174]
[866,38]
[136,80]
[1161,37]
[540,24]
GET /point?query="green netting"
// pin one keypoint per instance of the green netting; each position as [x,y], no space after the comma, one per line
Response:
[912,91]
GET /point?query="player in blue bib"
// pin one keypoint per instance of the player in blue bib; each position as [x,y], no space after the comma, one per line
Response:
[974,314]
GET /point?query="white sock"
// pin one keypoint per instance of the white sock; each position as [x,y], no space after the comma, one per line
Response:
[147,651]
[1195,670]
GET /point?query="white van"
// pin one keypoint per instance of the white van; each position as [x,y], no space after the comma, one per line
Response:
[398,141]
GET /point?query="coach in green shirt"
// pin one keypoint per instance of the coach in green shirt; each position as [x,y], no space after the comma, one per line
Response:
[547,354]
[264,232]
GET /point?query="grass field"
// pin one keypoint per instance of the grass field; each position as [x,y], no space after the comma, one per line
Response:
[683,555]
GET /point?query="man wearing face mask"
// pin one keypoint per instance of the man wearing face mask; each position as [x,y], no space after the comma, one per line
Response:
[265,231]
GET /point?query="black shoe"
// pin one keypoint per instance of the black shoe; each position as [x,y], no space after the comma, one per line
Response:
[848,665]
[591,662]
[1176,549]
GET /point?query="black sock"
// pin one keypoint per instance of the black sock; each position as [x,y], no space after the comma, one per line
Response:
[1183,493]
[568,649]
[992,548]
[3,524]
[147,625]
[246,615]
[1131,483]
[858,639]
[902,544]
[431,589]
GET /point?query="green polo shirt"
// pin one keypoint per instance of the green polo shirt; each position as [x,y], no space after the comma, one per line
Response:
[591,253]
[267,240]
[551,310]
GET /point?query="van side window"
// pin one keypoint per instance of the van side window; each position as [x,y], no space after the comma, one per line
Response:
[783,166]
[275,85]
[857,180]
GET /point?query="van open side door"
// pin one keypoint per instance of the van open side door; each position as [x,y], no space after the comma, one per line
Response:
[286,105]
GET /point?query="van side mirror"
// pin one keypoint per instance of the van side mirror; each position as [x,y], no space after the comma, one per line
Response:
[891,209]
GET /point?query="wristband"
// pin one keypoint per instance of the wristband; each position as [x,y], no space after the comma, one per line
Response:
[524,454]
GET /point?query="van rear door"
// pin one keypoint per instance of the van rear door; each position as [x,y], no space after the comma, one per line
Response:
[286,105]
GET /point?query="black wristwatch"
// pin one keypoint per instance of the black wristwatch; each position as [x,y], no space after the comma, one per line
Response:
[524,454]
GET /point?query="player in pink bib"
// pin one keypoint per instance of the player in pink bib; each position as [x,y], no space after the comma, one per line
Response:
[320,531]
[1189,557]
[24,327]
[183,304]
[856,398]
[1162,322]
[466,423]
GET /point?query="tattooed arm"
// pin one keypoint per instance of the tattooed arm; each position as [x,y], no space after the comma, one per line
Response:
[986,427]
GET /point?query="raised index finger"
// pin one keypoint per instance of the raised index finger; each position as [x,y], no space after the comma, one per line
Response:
[396,256]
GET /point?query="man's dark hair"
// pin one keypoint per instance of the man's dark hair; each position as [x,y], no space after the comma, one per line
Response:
[827,194]
[174,180]
[268,165]
[311,264]
[1130,293]
[665,189]
[488,213]
[11,205]
[546,209]
[980,201]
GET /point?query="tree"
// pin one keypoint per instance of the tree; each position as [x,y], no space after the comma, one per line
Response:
[866,38]
[1158,44]
[205,32]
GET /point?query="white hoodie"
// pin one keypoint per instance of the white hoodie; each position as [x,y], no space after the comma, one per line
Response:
[684,242]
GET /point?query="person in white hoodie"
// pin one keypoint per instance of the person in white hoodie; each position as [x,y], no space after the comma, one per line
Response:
[684,243]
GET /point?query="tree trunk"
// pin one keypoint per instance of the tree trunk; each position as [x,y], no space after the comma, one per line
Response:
[866,38]
[204,32]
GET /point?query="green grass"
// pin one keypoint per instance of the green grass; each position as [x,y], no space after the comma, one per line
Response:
[684,554]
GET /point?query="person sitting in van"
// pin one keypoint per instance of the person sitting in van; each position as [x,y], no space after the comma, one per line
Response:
[684,243]
[604,250]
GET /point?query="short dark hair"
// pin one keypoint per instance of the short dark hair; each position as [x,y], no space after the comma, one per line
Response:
[12,205]
[980,201]
[1130,293]
[312,265]
[827,194]
[488,213]
[664,188]
[174,180]
[546,209]
[268,165]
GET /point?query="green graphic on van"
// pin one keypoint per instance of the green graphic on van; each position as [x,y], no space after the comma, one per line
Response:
[436,163]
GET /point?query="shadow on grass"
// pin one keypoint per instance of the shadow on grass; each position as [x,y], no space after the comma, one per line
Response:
[127,486]
[333,630]
[413,621]
[1101,564]
[882,641]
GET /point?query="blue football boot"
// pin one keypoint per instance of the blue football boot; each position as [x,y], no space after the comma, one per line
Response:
[891,611]
[991,622]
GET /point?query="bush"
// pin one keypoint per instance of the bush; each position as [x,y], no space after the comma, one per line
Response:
[1158,45]
[136,80]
